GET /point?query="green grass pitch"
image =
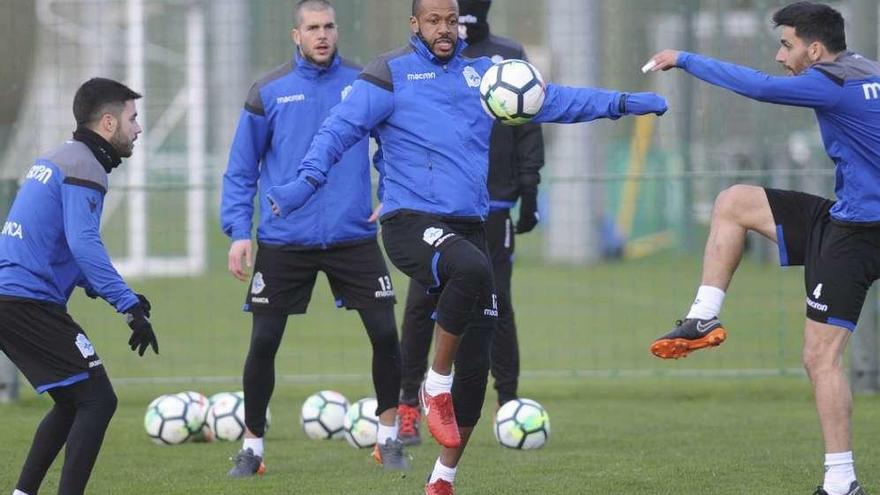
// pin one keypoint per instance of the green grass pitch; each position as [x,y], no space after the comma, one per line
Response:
[734,420]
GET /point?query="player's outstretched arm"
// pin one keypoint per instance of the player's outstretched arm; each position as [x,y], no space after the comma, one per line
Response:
[348,123]
[568,105]
[810,89]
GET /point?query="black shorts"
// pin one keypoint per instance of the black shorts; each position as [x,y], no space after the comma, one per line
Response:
[283,278]
[44,342]
[840,261]
[424,248]
[415,242]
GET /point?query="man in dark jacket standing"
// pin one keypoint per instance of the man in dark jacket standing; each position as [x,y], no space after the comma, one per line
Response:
[516,155]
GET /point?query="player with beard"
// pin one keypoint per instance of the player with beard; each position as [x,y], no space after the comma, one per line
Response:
[423,100]
[835,241]
[332,233]
[50,244]
[516,155]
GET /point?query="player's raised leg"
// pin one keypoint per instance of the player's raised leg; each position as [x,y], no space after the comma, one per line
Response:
[738,209]
[467,292]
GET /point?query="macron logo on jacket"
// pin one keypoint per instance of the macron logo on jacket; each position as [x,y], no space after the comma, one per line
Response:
[422,76]
[290,99]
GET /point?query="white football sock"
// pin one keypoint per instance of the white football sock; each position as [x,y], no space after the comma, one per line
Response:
[386,432]
[19,492]
[255,444]
[442,472]
[839,473]
[437,384]
[707,304]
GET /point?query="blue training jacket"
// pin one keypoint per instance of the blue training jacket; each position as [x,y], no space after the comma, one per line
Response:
[434,133]
[284,110]
[845,94]
[51,241]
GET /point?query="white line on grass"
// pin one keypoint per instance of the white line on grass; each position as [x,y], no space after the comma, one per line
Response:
[533,374]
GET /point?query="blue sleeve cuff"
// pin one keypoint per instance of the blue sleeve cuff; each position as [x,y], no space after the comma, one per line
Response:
[683,59]
[240,235]
[127,302]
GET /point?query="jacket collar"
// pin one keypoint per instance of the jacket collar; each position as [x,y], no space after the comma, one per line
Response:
[104,152]
[311,70]
[422,49]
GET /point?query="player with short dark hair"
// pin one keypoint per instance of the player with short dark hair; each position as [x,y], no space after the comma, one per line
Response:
[423,100]
[331,234]
[516,155]
[49,245]
[835,241]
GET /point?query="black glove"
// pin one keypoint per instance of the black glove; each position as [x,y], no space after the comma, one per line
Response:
[142,334]
[145,304]
[528,212]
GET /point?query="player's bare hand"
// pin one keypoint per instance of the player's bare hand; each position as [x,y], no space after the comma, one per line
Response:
[376,212]
[240,249]
[662,61]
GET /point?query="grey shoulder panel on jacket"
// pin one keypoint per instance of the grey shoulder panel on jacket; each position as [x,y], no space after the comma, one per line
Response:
[254,103]
[849,66]
[379,73]
[79,165]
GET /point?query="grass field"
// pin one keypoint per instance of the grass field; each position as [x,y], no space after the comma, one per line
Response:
[736,420]
[610,436]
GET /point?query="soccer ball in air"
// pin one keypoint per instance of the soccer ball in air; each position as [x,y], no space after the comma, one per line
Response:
[167,419]
[361,425]
[197,413]
[512,92]
[323,414]
[522,424]
[226,416]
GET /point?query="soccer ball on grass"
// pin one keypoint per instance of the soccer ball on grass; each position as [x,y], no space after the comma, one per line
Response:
[522,424]
[226,416]
[168,418]
[323,414]
[361,425]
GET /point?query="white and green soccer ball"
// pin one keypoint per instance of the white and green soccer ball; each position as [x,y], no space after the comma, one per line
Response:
[361,426]
[225,417]
[522,424]
[512,92]
[197,415]
[322,416]
[166,420]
